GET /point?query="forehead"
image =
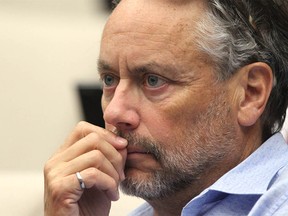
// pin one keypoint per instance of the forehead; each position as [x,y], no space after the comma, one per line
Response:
[142,29]
[131,14]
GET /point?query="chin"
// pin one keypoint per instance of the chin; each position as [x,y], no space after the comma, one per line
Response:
[147,185]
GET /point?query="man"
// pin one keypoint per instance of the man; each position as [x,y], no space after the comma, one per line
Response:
[194,94]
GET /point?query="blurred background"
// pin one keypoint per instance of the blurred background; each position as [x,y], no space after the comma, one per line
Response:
[48,48]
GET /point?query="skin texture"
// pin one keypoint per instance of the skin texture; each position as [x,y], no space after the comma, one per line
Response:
[184,129]
[99,155]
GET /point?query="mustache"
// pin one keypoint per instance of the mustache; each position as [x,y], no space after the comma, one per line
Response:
[148,145]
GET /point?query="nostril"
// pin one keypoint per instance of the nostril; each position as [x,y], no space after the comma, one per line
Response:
[124,125]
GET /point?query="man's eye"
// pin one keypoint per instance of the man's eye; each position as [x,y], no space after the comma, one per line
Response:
[153,81]
[109,80]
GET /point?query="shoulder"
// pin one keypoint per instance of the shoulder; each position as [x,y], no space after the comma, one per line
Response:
[275,200]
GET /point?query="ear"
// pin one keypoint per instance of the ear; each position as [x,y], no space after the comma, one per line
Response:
[256,81]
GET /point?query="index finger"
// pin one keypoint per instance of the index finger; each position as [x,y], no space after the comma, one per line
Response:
[84,128]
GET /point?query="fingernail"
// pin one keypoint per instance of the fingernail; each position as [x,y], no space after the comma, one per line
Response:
[121,140]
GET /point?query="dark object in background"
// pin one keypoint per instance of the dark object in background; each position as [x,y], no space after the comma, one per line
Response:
[90,97]
[109,4]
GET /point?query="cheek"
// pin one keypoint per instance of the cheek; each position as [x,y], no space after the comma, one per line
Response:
[187,117]
[186,107]
[167,122]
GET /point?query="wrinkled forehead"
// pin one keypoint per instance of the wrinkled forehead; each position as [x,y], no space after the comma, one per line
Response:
[154,14]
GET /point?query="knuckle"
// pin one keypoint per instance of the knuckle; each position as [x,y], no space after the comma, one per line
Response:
[93,173]
[97,157]
[52,171]
[109,180]
[82,128]
[48,169]
[97,154]
[94,139]
[49,175]
[94,136]
[81,124]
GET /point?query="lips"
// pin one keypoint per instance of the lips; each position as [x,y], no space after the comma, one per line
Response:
[136,150]
[140,159]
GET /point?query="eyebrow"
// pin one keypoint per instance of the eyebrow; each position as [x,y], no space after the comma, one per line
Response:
[154,67]
[151,67]
[103,66]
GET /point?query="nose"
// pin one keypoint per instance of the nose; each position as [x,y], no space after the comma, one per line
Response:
[121,109]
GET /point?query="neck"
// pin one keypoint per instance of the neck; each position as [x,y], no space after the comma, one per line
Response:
[252,140]
[172,205]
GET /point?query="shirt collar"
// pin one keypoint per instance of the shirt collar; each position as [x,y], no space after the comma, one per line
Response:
[254,174]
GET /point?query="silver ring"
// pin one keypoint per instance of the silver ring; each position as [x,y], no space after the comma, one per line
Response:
[81,182]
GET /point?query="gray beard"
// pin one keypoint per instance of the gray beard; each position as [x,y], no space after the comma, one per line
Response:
[183,165]
[159,184]
[180,170]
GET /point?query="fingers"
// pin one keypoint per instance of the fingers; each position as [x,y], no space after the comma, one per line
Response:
[63,194]
[98,154]
[92,151]
[94,178]
[97,160]
[83,129]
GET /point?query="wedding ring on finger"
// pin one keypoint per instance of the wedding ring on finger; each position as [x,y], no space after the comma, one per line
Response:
[80,179]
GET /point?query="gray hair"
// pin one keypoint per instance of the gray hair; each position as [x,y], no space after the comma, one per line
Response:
[235,33]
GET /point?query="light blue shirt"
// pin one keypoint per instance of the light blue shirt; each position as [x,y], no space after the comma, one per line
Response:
[256,187]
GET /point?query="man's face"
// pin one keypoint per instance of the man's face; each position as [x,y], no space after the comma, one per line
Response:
[161,94]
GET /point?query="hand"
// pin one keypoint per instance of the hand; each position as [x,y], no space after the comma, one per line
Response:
[99,155]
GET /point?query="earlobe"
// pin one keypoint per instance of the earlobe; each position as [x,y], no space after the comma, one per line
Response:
[248,116]
[256,81]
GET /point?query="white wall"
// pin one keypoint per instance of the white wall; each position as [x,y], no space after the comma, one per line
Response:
[47,47]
